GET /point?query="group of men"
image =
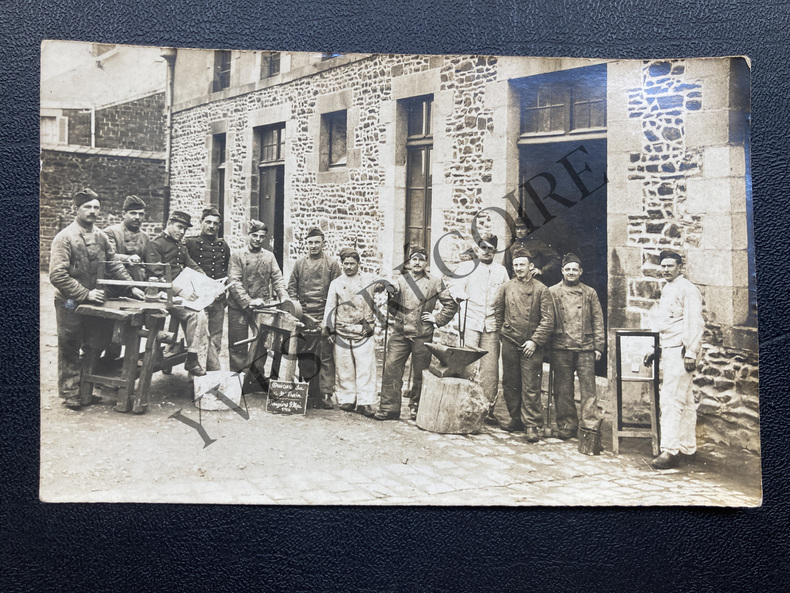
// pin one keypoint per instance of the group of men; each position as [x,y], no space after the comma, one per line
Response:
[518,320]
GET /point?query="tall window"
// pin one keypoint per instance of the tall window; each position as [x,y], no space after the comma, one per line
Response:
[270,141]
[559,103]
[219,158]
[270,64]
[419,144]
[334,128]
[222,60]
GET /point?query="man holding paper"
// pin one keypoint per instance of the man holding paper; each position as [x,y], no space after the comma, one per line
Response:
[212,254]
[255,278]
[169,248]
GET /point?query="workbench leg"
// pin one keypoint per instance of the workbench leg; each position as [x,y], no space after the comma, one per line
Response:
[129,372]
[155,324]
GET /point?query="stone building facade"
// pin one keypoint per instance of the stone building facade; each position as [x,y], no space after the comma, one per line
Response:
[613,160]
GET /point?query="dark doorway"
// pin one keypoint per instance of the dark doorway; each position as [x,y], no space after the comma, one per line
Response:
[271,185]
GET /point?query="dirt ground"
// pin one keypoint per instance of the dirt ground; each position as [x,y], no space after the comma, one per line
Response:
[97,454]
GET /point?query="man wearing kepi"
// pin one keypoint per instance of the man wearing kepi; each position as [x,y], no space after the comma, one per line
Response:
[415,296]
[577,344]
[678,319]
[309,284]
[212,254]
[349,324]
[477,284]
[524,316]
[256,279]
[169,248]
[77,253]
[127,239]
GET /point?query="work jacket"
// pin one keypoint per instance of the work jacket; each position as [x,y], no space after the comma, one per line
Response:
[524,311]
[309,282]
[255,275]
[74,262]
[591,332]
[415,296]
[128,243]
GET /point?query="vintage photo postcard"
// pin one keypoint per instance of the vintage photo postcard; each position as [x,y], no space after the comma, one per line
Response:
[274,277]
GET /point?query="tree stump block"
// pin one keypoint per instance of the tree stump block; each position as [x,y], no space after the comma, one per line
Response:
[451,405]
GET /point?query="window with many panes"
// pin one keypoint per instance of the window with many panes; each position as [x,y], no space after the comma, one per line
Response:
[222,61]
[270,64]
[419,170]
[334,129]
[568,102]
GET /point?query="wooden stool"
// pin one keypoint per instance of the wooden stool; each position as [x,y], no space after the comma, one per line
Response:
[631,348]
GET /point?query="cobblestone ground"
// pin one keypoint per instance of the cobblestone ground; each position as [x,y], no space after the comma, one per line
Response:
[334,457]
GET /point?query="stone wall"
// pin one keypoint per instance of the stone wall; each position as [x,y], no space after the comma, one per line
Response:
[134,125]
[661,165]
[63,172]
[346,204]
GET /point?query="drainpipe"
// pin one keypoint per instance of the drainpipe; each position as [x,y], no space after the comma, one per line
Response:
[169,55]
[93,126]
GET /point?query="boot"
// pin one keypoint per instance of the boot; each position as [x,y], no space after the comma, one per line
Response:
[192,366]
[326,402]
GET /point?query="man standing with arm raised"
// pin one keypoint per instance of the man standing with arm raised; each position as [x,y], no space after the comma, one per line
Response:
[309,284]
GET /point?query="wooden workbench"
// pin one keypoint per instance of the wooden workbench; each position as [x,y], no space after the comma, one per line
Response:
[132,321]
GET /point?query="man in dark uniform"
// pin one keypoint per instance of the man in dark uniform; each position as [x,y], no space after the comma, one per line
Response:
[169,248]
[309,284]
[127,239]
[545,261]
[212,254]
[77,251]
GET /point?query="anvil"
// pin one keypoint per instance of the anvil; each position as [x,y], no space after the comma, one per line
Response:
[451,361]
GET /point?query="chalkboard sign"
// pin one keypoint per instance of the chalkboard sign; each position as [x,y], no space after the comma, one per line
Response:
[286,397]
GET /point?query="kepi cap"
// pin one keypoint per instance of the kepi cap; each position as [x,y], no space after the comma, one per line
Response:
[180,216]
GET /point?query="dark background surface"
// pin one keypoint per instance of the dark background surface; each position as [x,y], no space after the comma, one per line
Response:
[72,547]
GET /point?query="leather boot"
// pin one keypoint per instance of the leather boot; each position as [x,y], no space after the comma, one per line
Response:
[192,366]
[665,461]
[326,402]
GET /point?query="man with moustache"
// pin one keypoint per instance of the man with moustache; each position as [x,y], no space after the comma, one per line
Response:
[127,239]
[77,253]
[476,284]
[414,298]
[678,319]
[169,248]
[577,344]
[524,316]
[349,324]
[256,279]
[309,284]
[212,254]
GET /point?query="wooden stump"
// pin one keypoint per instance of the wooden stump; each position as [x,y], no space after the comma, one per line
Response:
[451,405]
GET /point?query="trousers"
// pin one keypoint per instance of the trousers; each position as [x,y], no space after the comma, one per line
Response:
[399,348]
[76,332]
[318,369]
[521,383]
[195,329]
[487,368]
[678,410]
[355,371]
[215,314]
[564,364]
